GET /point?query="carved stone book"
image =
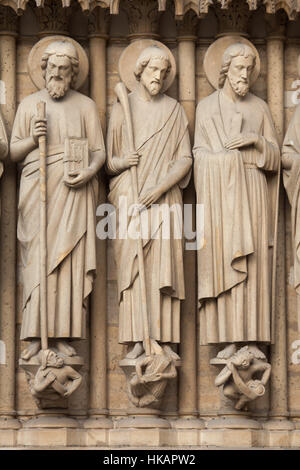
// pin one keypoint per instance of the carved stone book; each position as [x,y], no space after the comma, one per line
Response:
[76,154]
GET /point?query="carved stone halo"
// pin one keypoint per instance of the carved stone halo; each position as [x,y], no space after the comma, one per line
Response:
[131,54]
[213,58]
[35,57]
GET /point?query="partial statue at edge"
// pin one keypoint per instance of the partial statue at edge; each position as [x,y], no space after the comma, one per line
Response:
[291,179]
[237,161]
[161,154]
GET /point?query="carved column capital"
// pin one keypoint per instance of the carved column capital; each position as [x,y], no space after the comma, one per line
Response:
[234,19]
[187,27]
[143,18]
[276,25]
[53,18]
[8,21]
[99,22]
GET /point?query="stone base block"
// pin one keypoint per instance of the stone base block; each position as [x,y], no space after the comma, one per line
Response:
[143,422]
[186,437]
[8,437]
[139,438]
[96,437]
[233,438]
[273,438]
[295,439]
[51,437]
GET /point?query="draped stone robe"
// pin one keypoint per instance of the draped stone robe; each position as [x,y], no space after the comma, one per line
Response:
[71,257]
[291,179]
[161,137]
[239,202]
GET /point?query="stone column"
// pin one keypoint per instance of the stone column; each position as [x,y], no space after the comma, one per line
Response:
[278,381]
[8,422]
[98,29]
[187,400]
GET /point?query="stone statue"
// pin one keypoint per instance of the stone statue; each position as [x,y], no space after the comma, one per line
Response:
[163,161]
[75,153]
[291,179]
[147,384]
[237,161]
[53,379]
[239,376]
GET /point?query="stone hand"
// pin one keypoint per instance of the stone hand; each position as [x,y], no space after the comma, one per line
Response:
[130,160]
[39,128]
[150,196]
[78,178]
[241,140]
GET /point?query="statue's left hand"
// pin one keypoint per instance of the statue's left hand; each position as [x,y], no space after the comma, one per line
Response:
[242,140]
[78,178]
[150,196]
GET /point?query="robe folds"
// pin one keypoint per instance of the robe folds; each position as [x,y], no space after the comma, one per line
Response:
[161,138]
[291,180]
[238,191]
[71,230]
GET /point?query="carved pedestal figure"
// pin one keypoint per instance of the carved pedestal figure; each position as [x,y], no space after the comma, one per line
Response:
[151,278]
[75,153]
[236,178]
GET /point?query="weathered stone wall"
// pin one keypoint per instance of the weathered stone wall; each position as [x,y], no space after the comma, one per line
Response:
[196,383]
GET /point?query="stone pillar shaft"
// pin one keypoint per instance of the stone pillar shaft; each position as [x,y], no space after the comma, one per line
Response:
[278,381]
[98,350]
[187,400]
[275,58]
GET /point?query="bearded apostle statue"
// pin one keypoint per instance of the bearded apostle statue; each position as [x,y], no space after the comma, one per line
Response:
[75,153]
[163,161]
[237,161]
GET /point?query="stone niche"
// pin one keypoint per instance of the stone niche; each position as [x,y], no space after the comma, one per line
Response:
[193,411]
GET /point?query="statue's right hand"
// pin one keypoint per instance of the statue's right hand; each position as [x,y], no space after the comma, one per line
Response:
[39,128]
[132,159]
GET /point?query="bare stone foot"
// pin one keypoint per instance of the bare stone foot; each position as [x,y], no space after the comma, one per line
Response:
[227,352]
[31,350]
[65,348]
[136,351]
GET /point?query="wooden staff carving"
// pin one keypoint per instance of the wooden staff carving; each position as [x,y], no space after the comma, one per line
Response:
[41,112]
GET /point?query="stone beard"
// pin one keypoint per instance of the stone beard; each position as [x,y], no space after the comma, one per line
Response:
[57,88]
[162,141]
[237,187]
[71,231]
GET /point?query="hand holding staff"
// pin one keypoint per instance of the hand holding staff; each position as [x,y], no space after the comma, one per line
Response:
[41,112]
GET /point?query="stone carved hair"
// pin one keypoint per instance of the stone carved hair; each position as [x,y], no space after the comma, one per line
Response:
[62,49]
[235,50]
[152,52]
